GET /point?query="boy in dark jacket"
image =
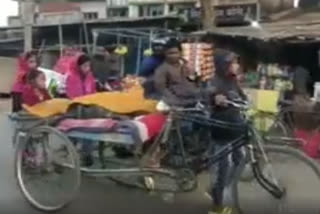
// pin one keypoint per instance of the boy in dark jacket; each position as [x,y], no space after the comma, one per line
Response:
[226,87]
[172,78]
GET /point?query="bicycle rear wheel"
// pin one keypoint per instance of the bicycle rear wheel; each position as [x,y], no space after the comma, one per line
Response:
[47,169]
[296,173]
[279,129]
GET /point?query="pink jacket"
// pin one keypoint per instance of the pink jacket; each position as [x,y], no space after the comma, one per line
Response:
[32,96]
[76,86]
[21,75]
[63,65]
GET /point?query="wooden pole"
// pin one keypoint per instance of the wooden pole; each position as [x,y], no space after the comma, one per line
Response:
[207,14]
[95,41]
[27,10]
[60,39]
[139,56]
[86,37]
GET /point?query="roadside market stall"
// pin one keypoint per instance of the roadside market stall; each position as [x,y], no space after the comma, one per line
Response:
[269,51]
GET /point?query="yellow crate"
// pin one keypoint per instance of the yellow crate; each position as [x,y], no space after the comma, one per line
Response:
[263,100]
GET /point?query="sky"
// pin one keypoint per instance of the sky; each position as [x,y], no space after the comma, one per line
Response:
[8,8]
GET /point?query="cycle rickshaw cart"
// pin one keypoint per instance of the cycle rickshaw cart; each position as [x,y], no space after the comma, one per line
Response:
[38,156]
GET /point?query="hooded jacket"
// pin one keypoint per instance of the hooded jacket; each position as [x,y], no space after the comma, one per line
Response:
[223,82]
[226,84]
[63,64]
[77,86]
[22,71]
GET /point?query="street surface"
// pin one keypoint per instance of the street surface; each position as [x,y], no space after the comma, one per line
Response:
[103,196]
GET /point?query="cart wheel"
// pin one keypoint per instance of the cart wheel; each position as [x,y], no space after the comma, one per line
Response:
[187,180]
[47,169]
[15,138]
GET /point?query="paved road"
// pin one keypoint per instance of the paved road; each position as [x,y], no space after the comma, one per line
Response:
[106,197]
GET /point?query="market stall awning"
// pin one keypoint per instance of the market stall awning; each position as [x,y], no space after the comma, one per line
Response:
[298,26]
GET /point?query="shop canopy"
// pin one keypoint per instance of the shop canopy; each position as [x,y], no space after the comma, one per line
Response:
[294,26]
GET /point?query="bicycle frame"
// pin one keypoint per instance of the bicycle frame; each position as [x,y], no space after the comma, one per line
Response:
[243,141]
[163,138]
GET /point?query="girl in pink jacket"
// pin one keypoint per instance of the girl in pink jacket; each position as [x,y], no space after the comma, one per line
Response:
[26,62]
[80,80]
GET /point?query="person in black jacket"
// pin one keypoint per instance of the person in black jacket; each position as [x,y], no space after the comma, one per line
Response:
[100,68]
[301,80]
[150,65]
[226,87]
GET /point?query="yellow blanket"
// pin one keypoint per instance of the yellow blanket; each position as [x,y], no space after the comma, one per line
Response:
[117,102]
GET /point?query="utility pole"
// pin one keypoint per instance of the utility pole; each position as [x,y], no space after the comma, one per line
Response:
[27,15]
[207,14]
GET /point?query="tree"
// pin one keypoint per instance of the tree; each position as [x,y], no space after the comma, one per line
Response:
[207,14]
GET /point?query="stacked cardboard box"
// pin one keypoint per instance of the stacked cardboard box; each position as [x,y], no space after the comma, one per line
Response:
[200,58]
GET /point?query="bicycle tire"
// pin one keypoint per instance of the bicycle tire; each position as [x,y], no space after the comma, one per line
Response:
[15,138]
[282,127]
[297,154]
[18,170]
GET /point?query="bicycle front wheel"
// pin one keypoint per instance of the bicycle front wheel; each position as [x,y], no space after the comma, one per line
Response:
[290,170]
[47,169]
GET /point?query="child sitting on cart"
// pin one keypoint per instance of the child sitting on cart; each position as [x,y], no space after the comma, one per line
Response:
[26,62]
[81,82]
[35,90]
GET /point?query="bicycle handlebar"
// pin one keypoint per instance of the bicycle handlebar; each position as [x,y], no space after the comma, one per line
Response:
[240,104]
[199,107]
[163,107]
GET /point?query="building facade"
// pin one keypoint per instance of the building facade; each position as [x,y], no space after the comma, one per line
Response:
[148,8]
[47,12]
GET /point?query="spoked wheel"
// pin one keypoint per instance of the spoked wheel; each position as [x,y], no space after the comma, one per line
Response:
[15,138]
[295,178]
[47,169]
[278,130]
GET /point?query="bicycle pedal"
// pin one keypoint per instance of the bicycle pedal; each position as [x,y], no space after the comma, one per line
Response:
[149,183]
